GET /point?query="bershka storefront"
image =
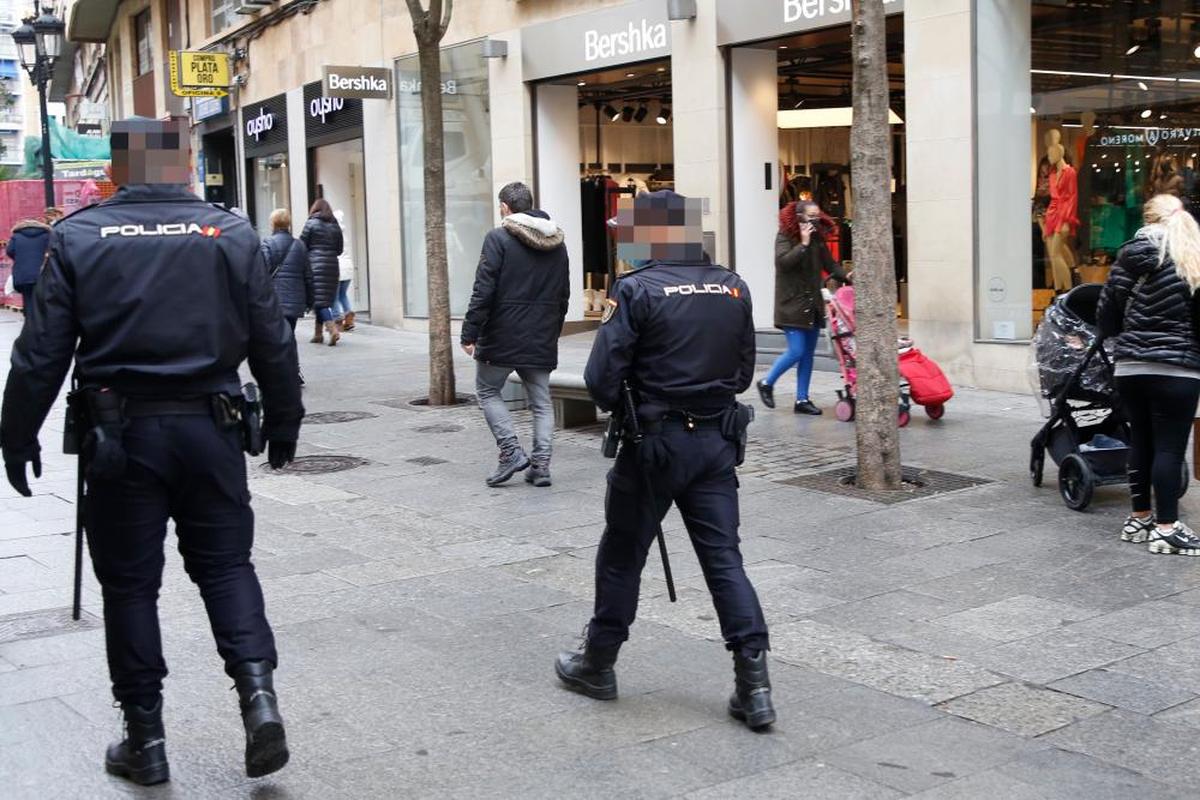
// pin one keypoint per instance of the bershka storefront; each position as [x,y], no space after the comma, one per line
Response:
[333,136]
[603,129]
[265,146]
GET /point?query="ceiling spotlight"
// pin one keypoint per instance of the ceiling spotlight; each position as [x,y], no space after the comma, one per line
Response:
[612,113]
[664,114]
[1162,116]
[1032,110]
[783,47]
[582,83]
[662,69]
[630,74]
[1142,85]
[641,113]
[1133,49]
[1196,52]
[800,102]
[1146,114]
[627,113]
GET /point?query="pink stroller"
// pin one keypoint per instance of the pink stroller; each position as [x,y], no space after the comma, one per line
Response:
[839,311]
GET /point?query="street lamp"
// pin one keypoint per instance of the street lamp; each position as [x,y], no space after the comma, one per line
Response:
[39,43]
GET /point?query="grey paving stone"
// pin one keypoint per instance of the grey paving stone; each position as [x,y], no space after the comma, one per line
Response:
[52,680]
[884,612]
[53,649]
[1072,775]
[1164,749]
[1015,617]
[991,784]
[1024,710]
[933,753]
[1133,692]
[1051,656]
[815,779]
[1146,625]
[935,639]
[1185,714]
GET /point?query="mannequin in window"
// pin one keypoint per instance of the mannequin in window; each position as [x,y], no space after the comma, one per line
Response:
[1061,216]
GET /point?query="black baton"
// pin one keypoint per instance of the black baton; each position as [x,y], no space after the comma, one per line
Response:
[75,607]
[635,432]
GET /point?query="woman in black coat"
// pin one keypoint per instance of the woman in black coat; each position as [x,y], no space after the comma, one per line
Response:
[801,255]
[291,272]
[1148,310]
[323,237]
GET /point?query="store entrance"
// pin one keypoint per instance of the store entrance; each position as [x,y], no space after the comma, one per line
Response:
[601,136]
[220,168]
[336,174]
[790,114]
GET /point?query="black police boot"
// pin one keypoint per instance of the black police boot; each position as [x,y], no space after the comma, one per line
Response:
[589,671]
[512,461]
[751,699]
[266,745]
[142,755]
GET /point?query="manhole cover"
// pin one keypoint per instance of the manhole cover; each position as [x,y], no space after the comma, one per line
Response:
[444,427]
[422,403]
[918,483]
[332,417]
[426,461]
[316,465]
[37,624]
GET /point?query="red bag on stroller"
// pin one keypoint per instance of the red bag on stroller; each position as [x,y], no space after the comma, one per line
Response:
[926,382]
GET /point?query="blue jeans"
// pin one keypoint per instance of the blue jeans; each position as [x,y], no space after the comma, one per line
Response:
[341,303]
[324,313]
[801,348]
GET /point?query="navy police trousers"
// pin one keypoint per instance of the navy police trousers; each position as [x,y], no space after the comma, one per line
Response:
[185,468]
[699,478]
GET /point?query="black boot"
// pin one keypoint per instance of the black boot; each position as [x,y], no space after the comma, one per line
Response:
[766,393]
[751,699]
[266,745]
[142,755]
[589,671]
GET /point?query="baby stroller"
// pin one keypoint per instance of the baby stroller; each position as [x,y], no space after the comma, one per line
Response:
[1072,374]
[839,310]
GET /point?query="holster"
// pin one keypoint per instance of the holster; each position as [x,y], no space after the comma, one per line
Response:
[735,427]
[244,413]
[94,429]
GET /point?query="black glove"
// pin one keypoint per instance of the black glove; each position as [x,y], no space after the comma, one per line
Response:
[280,454]
[16,474]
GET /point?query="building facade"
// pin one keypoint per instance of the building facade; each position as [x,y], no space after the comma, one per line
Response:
[742,103]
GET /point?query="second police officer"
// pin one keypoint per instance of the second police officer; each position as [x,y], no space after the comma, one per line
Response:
[159,297]
[680,331]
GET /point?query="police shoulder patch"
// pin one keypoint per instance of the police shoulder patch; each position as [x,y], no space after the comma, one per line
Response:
[610,308]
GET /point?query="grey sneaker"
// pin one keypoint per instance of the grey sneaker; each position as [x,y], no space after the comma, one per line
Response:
[1180,540]
[1137,529]
[538,474]
[512,461]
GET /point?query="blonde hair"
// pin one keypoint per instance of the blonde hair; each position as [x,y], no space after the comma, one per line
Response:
[281,219]
[1179,237]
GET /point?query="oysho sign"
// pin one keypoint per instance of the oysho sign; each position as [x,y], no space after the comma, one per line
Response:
[635,39]
[364,83]
[257,126]
[322,106]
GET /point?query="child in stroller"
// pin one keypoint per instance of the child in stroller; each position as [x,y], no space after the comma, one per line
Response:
[921,381]
[1072,374]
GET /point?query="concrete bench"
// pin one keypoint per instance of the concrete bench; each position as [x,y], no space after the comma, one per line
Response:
[573,406]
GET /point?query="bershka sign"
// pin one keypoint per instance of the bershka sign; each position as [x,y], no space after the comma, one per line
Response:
[612,36]
[258,125]
[742,21]
[634,40]
[365,83]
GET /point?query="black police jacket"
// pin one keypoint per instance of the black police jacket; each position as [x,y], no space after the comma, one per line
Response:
[681,333]
[1161,320]
[154,293]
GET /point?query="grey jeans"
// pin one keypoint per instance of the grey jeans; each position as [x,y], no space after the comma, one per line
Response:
[489,382]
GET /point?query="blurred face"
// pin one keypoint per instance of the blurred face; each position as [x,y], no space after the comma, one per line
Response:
[809,213]
[150,151]
[659,233]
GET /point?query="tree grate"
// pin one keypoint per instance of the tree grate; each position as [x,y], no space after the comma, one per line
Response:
[318,465]
[334,417]
[440,427]
[40,624]
[426,461]
[917,483]
[421,403]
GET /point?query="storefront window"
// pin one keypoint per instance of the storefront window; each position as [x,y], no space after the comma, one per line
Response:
[271,189]
[469,201]
[1115,105]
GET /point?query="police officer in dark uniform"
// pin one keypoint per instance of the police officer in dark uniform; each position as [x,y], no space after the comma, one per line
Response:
[159,297]
[680,330]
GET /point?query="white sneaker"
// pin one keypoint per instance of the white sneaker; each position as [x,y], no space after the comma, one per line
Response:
[1137,529]
[1180,540]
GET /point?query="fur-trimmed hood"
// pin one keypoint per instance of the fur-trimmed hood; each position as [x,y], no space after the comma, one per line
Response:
[31,225]
[534,229]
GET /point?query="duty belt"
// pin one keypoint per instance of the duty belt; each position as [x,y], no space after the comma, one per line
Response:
[675,420]
[145,407]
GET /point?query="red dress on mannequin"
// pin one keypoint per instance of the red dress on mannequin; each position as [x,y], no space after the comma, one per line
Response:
[1064,200]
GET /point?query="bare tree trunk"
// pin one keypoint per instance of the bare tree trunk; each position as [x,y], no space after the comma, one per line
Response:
[875,278]
[429,28]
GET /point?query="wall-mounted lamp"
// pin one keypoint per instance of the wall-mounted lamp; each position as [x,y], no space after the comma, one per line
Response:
[681,9]
[495,48]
